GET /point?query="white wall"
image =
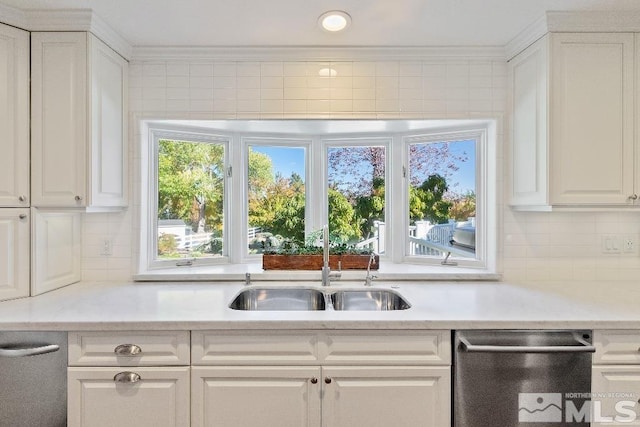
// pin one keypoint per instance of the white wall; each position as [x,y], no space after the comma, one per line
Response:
[537,247]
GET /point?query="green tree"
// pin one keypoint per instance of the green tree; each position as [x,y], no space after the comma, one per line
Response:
[191,183]
[370,208]
[260,173]
[343,223]
[427,200]
[281,209]
[463,206]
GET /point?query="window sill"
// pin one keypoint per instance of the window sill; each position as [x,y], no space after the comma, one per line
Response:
[387,271]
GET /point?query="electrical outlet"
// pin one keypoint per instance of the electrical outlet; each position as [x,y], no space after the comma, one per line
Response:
[629,244]
[107,247]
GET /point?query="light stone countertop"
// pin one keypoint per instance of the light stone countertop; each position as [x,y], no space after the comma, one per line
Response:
[435,305]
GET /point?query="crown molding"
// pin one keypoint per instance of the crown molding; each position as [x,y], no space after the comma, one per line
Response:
[78,20]
[66,20]
[314,53]
[526,37]
[594,21]
[12,16]
[574,22]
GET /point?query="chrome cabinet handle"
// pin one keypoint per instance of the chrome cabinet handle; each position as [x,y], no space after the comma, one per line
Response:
[30,351]
[327,380]
[22,199]
[127,350]
[78,198]
[633,197]
[314,380]
[22,216]
[585,347]
[127,377]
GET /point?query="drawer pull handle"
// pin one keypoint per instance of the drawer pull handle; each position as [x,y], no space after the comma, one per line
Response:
[22,199]
[314,380]
[127,350]
[22,216]
[327,380]
[127,377]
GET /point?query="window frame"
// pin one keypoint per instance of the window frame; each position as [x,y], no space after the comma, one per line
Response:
[481,178]
[359,141]
[236,260]
[272,141]
[191,135]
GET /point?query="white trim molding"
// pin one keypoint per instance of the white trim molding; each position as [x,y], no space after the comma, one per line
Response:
[314,53]
[66,20]
[12,16]
[592,21]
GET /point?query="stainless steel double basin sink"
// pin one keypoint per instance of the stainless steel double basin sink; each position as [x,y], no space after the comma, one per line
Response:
[313,299]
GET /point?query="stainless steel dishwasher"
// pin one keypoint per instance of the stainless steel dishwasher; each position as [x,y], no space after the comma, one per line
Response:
[33,379]
[516,378]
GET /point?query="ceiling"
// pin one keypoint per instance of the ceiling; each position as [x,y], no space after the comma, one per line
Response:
[294,22]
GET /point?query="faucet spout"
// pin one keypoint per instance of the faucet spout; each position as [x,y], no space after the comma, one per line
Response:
[369,279]
[327,275]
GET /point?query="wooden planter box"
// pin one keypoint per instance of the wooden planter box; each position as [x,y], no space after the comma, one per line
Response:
[314,262]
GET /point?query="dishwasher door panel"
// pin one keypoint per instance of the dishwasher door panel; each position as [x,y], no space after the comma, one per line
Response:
[33,389]
[489,380]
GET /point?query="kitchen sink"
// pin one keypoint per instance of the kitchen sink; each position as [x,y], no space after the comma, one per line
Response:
[279,299]
[310,299]
[368,300]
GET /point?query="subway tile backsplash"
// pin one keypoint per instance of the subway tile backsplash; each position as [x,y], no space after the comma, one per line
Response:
[533,247]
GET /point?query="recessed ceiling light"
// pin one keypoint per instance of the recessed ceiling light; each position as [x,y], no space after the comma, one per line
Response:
[334,21]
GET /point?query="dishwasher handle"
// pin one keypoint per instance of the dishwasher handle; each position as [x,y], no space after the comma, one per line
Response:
[29,351]
[585,347]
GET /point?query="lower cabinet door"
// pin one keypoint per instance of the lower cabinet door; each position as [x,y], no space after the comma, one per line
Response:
[255,396]
[615,399]
[14,253]
[142,397]
[385,396]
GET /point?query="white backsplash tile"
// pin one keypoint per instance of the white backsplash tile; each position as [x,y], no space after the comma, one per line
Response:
[533,247]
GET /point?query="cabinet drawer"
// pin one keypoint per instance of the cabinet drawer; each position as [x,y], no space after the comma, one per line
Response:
[152,396]
[390,347]
[254,347]
[129,348]
[617,347]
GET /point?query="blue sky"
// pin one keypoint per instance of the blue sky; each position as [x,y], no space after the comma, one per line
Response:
[288,160]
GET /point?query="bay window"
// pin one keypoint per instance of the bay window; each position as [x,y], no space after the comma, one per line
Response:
[221,192]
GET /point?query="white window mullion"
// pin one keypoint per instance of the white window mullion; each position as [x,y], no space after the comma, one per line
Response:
[318,186]
[237,216]
[397,215]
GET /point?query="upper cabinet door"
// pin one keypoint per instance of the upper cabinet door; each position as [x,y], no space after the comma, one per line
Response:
[59,118]
[592,97]
[108,148]
[14,117]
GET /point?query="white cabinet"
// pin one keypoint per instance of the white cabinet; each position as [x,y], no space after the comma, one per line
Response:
[56,249]
[14,253]
[330,379]
[256,396]
[616,385]
[616,378]
[331,396]
[78,116]
[122,388]
[14,117]
[386,396]
[147,396]
[572,100]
